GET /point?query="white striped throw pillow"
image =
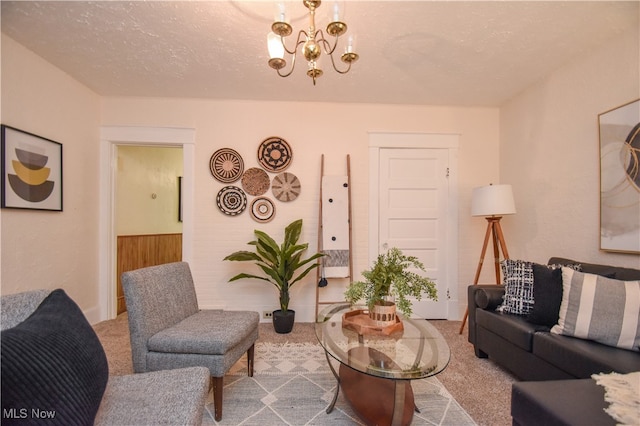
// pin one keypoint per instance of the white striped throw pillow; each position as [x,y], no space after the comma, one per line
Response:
[600,309]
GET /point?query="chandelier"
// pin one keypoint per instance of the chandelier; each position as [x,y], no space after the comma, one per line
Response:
[313,43]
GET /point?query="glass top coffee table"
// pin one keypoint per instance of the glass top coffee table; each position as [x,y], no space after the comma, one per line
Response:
[376,369]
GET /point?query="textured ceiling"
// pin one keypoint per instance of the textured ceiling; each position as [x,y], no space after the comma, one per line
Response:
[471,53]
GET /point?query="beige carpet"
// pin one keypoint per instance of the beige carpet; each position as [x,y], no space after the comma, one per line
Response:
[479,386]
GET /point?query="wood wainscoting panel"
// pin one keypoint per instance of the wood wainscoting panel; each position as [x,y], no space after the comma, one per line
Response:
[140,251]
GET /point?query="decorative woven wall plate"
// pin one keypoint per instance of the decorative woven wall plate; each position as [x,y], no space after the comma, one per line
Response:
[226,165]
[255,181]
[262,209]
[274,154]
[286,187]
[231,200]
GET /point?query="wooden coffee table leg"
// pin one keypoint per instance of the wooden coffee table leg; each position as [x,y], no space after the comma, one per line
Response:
[375,400]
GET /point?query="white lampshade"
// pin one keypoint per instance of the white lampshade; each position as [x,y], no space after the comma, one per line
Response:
[492,200]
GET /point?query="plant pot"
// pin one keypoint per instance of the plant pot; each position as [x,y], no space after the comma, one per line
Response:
[383,313]
[283,321]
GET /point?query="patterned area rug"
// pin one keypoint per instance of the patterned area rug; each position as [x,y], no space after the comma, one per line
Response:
[293,385]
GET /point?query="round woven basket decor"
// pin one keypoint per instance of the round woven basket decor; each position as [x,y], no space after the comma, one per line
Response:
[226,165]
[274,154]
[262,209]
[286,187]
[231,200]
[255,181]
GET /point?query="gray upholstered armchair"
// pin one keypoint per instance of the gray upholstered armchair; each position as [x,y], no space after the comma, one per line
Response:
[169,331]
[53,362]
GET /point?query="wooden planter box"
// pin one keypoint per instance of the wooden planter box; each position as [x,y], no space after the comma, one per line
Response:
[359,321]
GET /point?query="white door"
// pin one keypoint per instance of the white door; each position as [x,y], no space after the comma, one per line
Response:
[413,196]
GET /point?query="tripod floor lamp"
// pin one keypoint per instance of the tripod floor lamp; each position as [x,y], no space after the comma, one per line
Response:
[492,202]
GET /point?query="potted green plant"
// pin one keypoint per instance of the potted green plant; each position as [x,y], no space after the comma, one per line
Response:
[390,278]
[279,264]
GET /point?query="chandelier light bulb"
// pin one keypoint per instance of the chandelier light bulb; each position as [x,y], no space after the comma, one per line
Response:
[281,13]
[336,12]
[276,51]
[351,43]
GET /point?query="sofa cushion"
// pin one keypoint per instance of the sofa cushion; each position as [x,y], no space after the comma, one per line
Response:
[582,358]
[547,293]
[600,309]
[15,308]
[54,362]
[195,334]
[559,402]
[518,283]
[513,328]
[168,397]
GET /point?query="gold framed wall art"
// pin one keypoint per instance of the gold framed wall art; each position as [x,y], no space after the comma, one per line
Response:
[620,178]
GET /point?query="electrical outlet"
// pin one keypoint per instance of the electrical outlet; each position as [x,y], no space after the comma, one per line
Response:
[267,314]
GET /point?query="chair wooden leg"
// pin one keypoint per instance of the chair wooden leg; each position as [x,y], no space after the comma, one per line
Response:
[217,397]
[250,353]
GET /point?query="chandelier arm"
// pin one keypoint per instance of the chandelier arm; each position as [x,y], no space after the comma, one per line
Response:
[333,63]
[293,66]
[327,45]
[329,53]
[298,42]
[293,53]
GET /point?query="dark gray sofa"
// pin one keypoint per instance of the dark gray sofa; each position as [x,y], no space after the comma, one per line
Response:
[531,351]
[579,402]
[556,370]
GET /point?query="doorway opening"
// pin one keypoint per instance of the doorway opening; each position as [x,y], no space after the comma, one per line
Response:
[148,223]
[113,137]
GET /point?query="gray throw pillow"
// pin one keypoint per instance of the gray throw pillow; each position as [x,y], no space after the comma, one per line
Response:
[600,309]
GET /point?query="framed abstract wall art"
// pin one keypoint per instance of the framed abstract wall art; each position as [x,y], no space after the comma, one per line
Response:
[31,171]
[620,178]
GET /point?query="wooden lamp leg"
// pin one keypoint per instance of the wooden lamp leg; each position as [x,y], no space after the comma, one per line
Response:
[503,245]
[495,231]
[479,269]
[496,251]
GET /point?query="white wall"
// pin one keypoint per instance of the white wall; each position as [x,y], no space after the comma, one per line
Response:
[548,151]
[42,249]
[336,130]
[550,154]
[147,190]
